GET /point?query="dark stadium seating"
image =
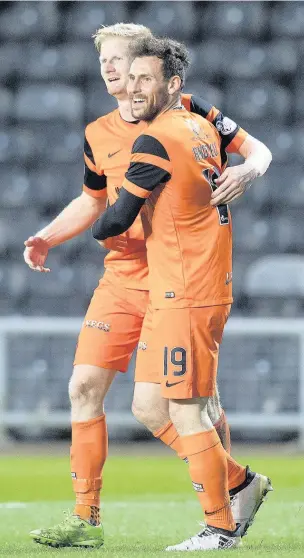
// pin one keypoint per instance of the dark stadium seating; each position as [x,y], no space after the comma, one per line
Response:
[234,19]
[287,21]
[28,20]
[83,18]
[47,102]
[246,59]
[165,18]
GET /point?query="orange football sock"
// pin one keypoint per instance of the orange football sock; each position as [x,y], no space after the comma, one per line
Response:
[223,430]
[209,475]
[169,436]
[89,451]
[236,472]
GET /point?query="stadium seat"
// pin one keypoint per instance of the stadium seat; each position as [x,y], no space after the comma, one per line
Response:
[175,19]
[276,275]
[275,285]
[12,59]
[244,60]
[26,20]
[19,144]
[262,362]
[16,187]
[208,58]
[298,98]
[84,18]
[59,142]
[287,20]
[288,230]
[6,104]
[19,276]
[251,233]
[283,57]
[41,305]
[206,91]
[56,185]
[6,145]
[46,102]
[17,225]
[97,101]
[284,188]
[262,100]
[70,62]
[233,19]
[299,141]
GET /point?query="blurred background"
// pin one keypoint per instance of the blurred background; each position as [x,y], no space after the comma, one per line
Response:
[248,61]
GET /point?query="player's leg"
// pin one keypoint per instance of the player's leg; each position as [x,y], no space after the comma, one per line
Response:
[218,418]
[190,365]
[87,390]
[174,378]
[153,414]
[106,342]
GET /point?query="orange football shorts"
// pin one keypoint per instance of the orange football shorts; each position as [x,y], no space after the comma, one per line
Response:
[179,349]
[112,326]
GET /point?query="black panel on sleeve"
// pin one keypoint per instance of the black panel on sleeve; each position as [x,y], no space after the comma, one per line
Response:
[94,181]
[148,144]
[147,176]
[199,106]
[118,217]
[88,151]
[226,127]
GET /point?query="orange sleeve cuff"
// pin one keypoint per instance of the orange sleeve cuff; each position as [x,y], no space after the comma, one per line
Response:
[212,114]
[95,193]
[89,164]
[152,160]
[237,141]
[136,190]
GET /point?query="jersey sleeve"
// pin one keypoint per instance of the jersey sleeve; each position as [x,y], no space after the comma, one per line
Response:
[150,166]
[94,182]
[232,136]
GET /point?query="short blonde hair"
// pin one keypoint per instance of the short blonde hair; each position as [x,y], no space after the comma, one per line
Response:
[121,30]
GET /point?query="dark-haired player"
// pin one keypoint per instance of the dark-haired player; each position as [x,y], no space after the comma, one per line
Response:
[174,166]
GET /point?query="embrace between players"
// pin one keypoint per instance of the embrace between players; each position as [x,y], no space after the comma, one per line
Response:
[159,159]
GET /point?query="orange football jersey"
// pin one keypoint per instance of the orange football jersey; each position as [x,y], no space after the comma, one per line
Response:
[190,242]
[107,152]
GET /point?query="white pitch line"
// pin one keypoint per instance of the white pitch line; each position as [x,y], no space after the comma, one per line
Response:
[12,505]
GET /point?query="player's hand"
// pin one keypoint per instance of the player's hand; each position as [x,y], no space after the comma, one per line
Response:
[232,184]
[35,253]
[118,243]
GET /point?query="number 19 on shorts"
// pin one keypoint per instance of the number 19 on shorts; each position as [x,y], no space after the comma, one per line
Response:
[175,361]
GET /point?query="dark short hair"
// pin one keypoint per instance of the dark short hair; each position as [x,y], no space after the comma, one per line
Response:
[174,55]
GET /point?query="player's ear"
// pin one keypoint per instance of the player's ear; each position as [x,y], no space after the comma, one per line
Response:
[174,85]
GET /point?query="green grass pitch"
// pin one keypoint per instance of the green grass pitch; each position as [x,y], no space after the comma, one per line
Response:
[148,503]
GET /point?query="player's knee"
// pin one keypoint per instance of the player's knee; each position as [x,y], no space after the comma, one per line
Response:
[190,416]
[148,416]
[84,388]
[214,407]
[140,412]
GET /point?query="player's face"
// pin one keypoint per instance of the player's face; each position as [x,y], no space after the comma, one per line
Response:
[147,89]
[114,65]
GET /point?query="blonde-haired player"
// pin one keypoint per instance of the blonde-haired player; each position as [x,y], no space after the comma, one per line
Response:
[113,323]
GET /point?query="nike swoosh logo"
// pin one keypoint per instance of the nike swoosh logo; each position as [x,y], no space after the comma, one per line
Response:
[112,154]
[174,383]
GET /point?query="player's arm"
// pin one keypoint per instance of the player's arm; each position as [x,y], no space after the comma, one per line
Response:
[149,166]
[76,217]
[234,180]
